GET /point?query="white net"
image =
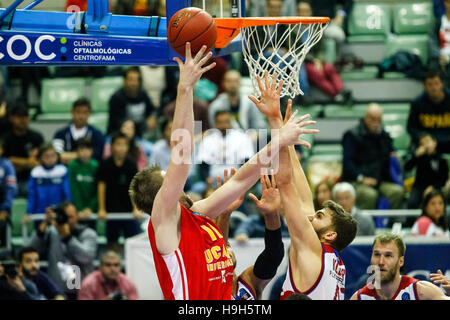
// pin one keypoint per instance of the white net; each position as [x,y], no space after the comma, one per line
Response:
[280,49]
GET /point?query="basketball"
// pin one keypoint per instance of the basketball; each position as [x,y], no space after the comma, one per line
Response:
[192,25]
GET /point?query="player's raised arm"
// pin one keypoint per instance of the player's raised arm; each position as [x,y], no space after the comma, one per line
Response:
[165,213]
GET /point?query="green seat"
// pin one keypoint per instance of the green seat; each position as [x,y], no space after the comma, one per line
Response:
[18,212]
[367,72]
[327,149]
[100,121]
[369,22]
[412,18]
[342,112]
[313,110]
[102,89]
[388,108]
[58,96]
[417,44]
[395,119]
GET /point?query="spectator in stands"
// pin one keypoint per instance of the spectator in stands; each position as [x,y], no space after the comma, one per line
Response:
[13,287]
[65,139]
[65,243]
[141,7]
[430,112]
[439,42]
[322,193]
[161,149]
[8,189]
[366,161]
[132,102]
[200,113]
[108,283]
[344,194]
[432,169]
[21,145]
[433,221]
[48,183]
[245,115]
[83,179]
[223,148]
[114,177]
[5,126]
[320,73]
[29,268]
[136,151]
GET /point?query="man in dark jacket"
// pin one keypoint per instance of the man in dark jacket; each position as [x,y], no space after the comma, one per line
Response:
[131,102]
[367,152]
[430,112]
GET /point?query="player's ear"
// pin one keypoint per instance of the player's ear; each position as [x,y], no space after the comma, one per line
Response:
[401,261]
[330,236]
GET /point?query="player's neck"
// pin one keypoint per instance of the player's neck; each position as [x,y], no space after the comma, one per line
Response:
[387,290]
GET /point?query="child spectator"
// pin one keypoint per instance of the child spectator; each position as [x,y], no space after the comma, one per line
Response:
[114,177]
[432,169]
[8,189]
[433,221]
[82,177]
[136,150]
[48,183]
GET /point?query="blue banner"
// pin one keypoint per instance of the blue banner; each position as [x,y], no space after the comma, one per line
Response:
[420,261]
[65,49]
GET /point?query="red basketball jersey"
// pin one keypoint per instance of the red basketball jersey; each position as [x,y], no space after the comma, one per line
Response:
[200,268]
[407,290]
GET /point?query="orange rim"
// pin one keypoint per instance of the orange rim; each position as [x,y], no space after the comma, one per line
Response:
[229,28]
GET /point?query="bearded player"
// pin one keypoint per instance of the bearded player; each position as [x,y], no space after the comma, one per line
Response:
[190,254]
[388,256]
[315,267]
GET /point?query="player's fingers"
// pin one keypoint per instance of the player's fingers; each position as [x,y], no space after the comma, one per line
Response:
[302,118]
[208,67]
[303,143]
[266,79]
[266,177]
[310,131]
[179,61]
[200,54]
[254,100]
[288,111]
[205,58]
[272,178]
[292,117]
[225,176]
[219,182]
[307,123]
[263,183]
[188,54]
[280,87]
[253,197]
[273,85]
[232,172]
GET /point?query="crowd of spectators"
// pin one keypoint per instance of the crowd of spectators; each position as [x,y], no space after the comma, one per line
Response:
[84,172]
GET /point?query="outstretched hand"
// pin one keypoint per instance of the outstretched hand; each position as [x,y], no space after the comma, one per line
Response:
[293,128]
[270,201]
[193,67]
[269,103]
[236,203]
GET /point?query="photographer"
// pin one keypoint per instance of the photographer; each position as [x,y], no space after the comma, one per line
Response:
[12,287]
[65,244]
[108,283]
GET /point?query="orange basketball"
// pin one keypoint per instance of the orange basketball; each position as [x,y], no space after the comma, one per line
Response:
[192,25]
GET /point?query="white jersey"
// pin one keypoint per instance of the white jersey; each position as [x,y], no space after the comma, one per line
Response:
[330,285]
[407,290]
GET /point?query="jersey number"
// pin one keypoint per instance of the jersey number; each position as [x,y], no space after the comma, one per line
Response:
[213,232]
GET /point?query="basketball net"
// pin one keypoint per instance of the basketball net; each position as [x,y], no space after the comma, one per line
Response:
[280,49]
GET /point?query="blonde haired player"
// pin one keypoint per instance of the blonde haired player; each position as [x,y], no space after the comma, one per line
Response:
[388,254]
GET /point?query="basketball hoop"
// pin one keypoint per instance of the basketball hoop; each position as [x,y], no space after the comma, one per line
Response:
[276,45]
